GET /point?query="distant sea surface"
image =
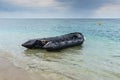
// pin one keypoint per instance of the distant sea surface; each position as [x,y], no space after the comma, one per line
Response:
[97,59]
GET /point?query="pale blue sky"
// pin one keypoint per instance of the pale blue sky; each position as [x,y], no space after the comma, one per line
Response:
[59,8]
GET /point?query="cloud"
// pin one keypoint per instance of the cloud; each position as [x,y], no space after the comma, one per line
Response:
[84,8]
[5,7]
[60,8]
[108,11]
[39,4]
[85,4]
[33,9]
[33,6]
[34,3]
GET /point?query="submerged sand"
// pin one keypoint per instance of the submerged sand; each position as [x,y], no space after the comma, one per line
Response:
[8,71]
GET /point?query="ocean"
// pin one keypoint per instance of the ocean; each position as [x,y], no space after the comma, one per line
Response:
[97,59]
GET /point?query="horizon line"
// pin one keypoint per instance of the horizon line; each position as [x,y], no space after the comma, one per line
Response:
[53,18]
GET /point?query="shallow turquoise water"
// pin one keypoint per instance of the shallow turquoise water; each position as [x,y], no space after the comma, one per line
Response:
[97,59]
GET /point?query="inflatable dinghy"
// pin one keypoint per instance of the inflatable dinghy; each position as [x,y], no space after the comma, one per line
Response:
[56,43]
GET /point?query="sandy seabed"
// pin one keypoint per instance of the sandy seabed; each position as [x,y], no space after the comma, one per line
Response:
[10,72]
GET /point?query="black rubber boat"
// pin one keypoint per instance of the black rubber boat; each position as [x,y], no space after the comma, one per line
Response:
[56,43]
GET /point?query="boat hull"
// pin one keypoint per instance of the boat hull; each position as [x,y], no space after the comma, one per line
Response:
[56,43]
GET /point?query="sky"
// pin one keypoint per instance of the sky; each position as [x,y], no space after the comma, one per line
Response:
[59,8]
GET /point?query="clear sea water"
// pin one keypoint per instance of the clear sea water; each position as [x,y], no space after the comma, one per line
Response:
[97,59]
